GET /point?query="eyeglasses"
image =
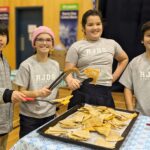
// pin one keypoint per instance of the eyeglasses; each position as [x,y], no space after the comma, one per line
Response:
[40,40]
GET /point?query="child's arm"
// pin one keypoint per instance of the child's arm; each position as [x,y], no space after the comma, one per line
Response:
[122,59]
[72,83]
[129,99]
[43,92]
[13,96]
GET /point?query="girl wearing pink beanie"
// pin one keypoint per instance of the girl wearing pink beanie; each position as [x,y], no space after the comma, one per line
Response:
[35,74]
[39,30]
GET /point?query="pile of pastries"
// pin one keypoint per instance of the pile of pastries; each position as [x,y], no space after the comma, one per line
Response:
[105,122]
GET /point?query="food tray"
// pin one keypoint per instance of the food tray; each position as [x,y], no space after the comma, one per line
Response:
[82,143]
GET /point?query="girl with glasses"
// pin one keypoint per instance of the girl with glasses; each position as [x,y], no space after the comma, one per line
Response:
[34,76]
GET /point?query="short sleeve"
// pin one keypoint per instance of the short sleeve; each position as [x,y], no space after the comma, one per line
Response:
[126,78]
[22,76]
[118,49]
[72,55]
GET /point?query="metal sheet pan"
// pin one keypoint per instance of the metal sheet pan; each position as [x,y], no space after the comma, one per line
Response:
[81,143]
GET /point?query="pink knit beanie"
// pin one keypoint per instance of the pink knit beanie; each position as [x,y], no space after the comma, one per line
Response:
[39,30]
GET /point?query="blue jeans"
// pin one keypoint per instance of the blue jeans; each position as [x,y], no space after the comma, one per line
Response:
[28,124]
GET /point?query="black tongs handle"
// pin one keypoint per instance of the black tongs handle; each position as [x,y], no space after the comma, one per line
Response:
[63,75]
[87,81]
[58,80]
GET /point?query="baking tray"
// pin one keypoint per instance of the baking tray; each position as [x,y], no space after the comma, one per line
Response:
[81,143]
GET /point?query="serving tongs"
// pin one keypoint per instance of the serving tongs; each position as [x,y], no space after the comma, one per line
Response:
[62,76]
[52,102]
[58,101]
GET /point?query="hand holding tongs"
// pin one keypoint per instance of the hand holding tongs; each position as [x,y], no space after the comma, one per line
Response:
[62,76]
[63,101]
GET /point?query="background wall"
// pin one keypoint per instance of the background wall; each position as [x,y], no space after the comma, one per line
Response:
[51,9]
[124,25]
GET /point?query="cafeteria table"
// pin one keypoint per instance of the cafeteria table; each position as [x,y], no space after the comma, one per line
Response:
[137,139]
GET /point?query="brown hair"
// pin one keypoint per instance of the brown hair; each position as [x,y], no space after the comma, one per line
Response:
[145,27]
[91,12]
[4,30]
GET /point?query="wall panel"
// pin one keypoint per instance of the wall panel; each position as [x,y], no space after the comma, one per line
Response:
[51,10]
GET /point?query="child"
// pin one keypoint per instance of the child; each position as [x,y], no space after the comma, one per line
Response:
[7,96]
[98,53]
[35,74]
[136,77]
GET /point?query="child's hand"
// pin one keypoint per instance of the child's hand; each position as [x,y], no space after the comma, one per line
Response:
[73,84]
[17,96]
[43,92]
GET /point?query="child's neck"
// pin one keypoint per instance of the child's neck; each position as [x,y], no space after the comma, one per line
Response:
[41,58]
[148,54]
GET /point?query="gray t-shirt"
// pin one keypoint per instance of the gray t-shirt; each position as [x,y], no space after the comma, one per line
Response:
[94,54]
[34,75]
[137,78]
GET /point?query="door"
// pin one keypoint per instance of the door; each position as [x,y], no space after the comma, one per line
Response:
[26,19]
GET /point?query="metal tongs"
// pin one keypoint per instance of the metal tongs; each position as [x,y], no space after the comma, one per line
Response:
[62,76]
[54,84]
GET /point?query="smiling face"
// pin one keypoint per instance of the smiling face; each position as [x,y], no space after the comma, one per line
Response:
[3,41]
[146,40]
[93,28]
[43,43]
